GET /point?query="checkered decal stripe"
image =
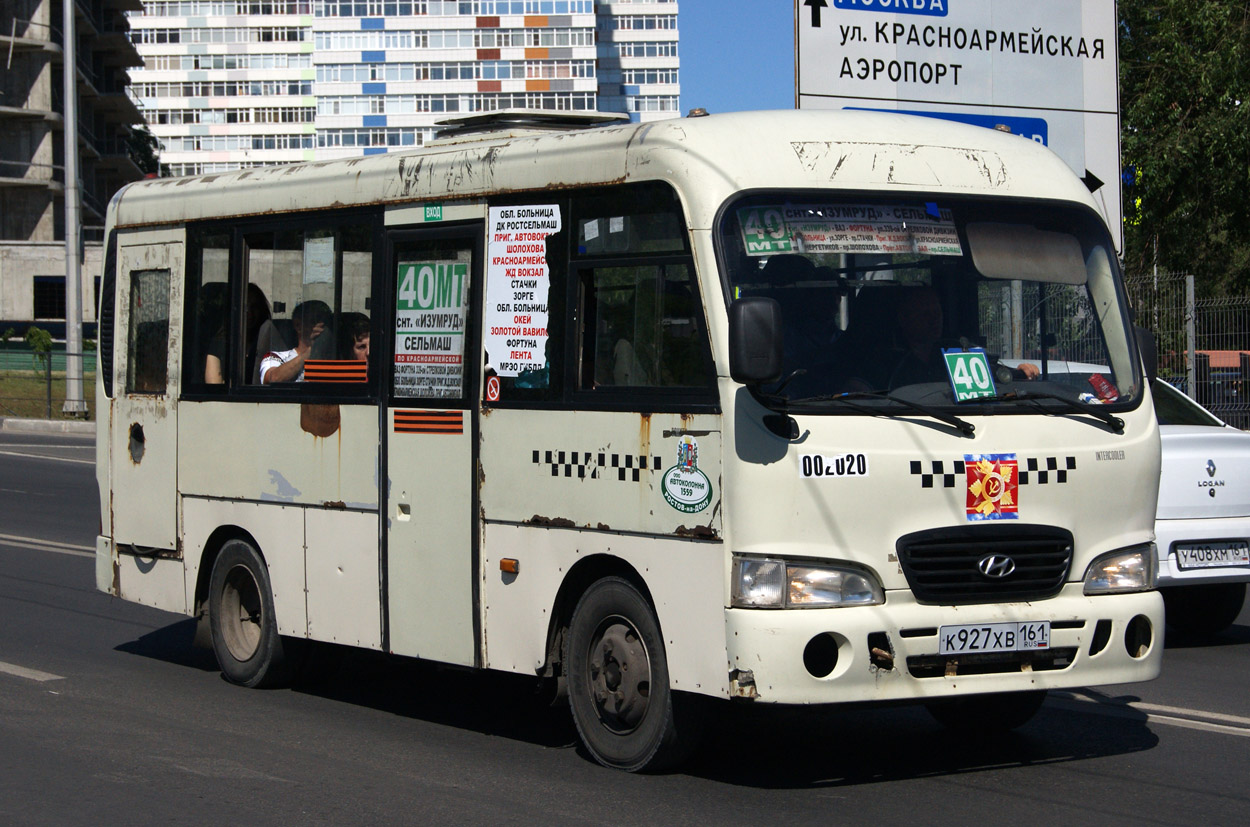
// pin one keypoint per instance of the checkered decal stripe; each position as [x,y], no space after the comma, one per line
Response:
[583,464]
[1033,473]
[937,468]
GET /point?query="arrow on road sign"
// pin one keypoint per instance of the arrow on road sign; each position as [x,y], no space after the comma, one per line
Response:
[816,6]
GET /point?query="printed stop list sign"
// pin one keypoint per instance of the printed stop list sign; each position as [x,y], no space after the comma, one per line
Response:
[430,310]
[517,285]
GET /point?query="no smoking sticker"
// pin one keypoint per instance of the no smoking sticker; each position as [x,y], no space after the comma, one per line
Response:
[492,389]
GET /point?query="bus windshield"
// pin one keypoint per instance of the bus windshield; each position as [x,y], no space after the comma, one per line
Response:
[945,303]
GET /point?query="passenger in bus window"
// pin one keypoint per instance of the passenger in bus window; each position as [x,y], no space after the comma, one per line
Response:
[212,314]
[635,355]
[215,360]
[310,320]
[354,337]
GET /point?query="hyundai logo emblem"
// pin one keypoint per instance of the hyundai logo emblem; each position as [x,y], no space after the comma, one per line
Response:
[996,566]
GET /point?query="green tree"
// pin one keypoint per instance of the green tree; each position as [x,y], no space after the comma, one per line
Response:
[1184,80]
[40,342]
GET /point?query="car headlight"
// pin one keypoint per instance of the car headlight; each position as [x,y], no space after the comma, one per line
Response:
[1122,570]
[767,583]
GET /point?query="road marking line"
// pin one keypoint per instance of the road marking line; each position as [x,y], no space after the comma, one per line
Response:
[1192,713]
[29,674]
[36,544]
[54,459]
[1173,715]
[1202,725]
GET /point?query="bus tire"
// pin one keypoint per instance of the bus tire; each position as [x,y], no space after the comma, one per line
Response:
[245,635]
[617,678]
[987,715]
[1204,609]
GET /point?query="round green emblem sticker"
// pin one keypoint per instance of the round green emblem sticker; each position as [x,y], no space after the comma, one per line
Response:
[685,487]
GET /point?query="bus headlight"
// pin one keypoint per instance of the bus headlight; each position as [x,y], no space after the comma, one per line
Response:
[1123,570]
[760,583]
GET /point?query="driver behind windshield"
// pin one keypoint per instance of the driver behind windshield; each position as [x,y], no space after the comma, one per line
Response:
[920,331]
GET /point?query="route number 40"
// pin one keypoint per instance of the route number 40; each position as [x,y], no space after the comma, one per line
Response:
[969,372]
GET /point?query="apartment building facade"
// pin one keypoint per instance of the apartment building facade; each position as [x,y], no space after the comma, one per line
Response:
[230,84]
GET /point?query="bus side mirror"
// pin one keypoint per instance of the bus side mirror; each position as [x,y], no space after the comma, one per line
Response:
[755,340]
[1149,352]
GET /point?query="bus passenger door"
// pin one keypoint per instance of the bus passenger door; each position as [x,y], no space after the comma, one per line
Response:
[430,438]
[144,432]
[144,428]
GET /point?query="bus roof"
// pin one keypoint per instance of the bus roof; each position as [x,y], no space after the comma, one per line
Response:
[708,158]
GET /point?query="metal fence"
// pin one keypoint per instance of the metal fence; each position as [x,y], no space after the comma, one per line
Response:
[33,385]
[1204,344]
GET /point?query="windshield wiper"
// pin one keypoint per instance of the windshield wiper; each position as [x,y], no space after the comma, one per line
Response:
[964,426]
[1110,419]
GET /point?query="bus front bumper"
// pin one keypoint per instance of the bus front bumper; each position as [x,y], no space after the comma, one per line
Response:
[891,651]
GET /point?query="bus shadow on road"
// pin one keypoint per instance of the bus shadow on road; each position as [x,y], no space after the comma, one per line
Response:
[756,746]
[1236,635]
[749,745]
[171,644]
[503,705]
[789,748]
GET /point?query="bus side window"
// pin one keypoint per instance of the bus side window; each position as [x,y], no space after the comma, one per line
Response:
[318,281]
[642,318]
[642,328]
[208,357]
[147,345]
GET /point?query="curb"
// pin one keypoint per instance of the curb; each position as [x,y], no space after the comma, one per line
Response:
[46,426]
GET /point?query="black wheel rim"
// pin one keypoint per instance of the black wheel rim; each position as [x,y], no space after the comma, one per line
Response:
[618,674]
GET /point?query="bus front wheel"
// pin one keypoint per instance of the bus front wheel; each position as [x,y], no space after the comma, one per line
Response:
[246,642]
[617,678]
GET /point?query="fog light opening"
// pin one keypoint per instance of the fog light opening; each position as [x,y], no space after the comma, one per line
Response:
[820,656]
[1138,636]
[1102,636]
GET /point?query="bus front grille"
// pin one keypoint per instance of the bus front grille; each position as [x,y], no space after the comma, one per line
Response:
[985,563]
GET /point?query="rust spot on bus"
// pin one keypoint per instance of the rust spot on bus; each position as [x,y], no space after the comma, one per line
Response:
[319,420]
[644,434]
[550,522]
[699,532]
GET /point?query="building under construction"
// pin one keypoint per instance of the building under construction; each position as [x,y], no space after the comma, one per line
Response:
[32,149]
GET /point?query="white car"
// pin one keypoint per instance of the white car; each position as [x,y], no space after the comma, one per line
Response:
[1202,525]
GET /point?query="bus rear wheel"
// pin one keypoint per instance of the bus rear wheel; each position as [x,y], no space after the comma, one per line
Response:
[245,635]
[618,685]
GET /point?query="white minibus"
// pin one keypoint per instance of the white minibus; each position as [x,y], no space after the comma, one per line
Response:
[764,408]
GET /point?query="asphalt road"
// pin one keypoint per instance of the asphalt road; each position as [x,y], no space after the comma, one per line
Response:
[109,716]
